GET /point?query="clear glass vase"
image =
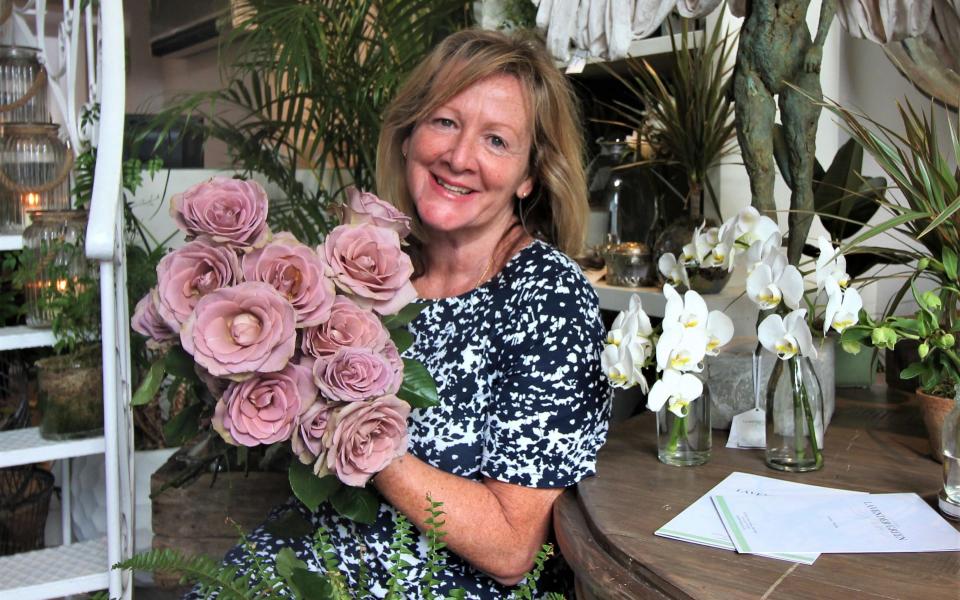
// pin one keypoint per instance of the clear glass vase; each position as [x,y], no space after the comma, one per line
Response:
[794,416]
[685,441]
[950,494]
[70,389]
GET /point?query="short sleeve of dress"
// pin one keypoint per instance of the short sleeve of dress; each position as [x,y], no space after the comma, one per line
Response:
[549,412]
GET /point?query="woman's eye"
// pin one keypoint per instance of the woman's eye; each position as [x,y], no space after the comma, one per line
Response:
[443,122]
[497,141]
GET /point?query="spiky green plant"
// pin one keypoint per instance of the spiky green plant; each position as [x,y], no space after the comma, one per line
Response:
[928,220]
[305,85]
[691,113]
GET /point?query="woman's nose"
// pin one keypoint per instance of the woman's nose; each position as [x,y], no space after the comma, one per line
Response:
[462,155]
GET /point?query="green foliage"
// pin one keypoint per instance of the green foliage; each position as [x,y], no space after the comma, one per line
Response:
[435,561]
[526,589]
[310,489]
[418,388]
[693,111]
[305,84]
[928,219]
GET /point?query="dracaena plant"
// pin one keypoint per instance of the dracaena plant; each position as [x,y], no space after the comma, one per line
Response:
[928,180]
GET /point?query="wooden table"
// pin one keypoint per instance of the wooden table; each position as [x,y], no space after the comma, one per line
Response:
[876,443]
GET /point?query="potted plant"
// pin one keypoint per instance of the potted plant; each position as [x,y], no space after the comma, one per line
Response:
[928,218]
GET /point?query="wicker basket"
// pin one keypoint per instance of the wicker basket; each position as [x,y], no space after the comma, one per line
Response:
[24,503]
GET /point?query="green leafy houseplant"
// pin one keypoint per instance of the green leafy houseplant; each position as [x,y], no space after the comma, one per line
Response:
[306,83]
[689,117]
[291,577]
[930,187]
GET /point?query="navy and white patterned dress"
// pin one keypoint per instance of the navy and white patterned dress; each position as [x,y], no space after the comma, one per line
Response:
[522,400]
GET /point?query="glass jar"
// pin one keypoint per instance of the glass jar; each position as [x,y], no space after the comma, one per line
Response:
[54,257]
[70,389]
[23,86]
[950,434]
[628,264]
[628,194]
[794,416]
[34,170]
[686,441]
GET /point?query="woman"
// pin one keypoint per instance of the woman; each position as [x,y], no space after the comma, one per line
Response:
[482,149]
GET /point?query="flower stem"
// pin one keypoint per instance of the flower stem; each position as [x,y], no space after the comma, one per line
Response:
[803,414]
[678,426]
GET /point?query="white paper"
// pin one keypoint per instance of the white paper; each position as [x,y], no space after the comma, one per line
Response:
[700,524]
[748,430]
[835,523]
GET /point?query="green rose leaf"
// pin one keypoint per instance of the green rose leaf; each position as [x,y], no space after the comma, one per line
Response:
[179,363]
[308,488]
[287,562]
[150,384]
[402,338]
[357,504]
[418,388]
[183,426]
[406,314]
[290,524]
[309,585]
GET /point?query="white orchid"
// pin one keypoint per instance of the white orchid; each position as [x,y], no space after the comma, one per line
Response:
[689,311]
[630,323]
[682,349]
[753,227]
[705,242]
[620,366]
[719,332]
[675,390]
[775,280]
[672,269]
[843,307]
[831,266]
[787,336]
[759,250]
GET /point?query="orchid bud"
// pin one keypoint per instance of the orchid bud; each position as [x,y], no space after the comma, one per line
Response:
[884,337]
[946,341]
[923,350]
[923,263]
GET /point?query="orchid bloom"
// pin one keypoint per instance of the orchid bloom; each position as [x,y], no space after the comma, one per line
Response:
[676,390]
[682,349]
[759,250]
[843,307]
[753,227]
[787,336]
[690,311]
[774,280]
[672,269]
[831,266]
[619,365]
[629,323]
[719,332]
[705,242]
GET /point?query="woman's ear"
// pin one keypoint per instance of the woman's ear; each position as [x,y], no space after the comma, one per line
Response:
[526,186]
[404,146]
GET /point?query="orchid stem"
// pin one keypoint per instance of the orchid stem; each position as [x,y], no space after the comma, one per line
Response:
[678,425]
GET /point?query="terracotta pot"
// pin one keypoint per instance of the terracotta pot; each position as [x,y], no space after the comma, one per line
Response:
[934,410]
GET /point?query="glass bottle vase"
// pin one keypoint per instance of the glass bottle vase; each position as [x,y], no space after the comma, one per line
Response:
[950,494]
[794,404]
[685,441]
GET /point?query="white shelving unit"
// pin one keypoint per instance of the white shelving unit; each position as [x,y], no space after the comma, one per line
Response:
[75,568]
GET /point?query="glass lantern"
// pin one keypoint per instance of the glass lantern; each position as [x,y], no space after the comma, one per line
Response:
[23,86]
[34,171]
[54,256]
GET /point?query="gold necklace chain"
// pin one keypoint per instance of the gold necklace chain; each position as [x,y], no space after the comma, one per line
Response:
[484,274]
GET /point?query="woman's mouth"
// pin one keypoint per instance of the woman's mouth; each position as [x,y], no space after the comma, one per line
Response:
[456,189]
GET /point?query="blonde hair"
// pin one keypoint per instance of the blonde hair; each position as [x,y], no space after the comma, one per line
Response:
[556,210]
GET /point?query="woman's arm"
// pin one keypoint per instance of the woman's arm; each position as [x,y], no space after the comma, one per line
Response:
[496,527]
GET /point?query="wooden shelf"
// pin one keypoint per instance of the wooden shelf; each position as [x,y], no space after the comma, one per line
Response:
[617,298]
[11,242]
[25,446]
[21,336]
[55,572]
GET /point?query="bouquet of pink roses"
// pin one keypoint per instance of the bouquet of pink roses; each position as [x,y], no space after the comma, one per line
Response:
[296,345]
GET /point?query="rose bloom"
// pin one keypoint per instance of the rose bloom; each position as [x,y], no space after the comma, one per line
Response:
[356,374]
[227,211]
[190,273]
[363,438]
[307,440]
[348,325]
[236,331]
[264,409]
[364,207]
[297,272]
[368,264]
[147,321]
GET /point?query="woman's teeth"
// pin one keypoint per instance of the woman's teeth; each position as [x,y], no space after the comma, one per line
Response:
[453,188]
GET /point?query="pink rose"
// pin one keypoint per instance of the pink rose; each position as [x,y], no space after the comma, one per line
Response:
[363,438]
[355,374]
[364,207]
[190,273]
[307,440]
[236,331]
[227,211]
[264,408]
[147,321]
[368,264]
[297,272]
[348,325]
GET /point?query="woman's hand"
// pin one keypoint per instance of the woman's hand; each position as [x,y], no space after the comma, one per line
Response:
[497,527]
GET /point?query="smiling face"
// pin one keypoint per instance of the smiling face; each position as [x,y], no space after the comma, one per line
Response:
[469,158]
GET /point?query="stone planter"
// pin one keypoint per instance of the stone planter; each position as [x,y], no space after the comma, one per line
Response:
[731,378]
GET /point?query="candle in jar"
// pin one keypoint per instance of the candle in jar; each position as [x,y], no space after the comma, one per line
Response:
[31,200]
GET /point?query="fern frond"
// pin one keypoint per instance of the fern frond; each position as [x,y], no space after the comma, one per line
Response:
[202,569]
